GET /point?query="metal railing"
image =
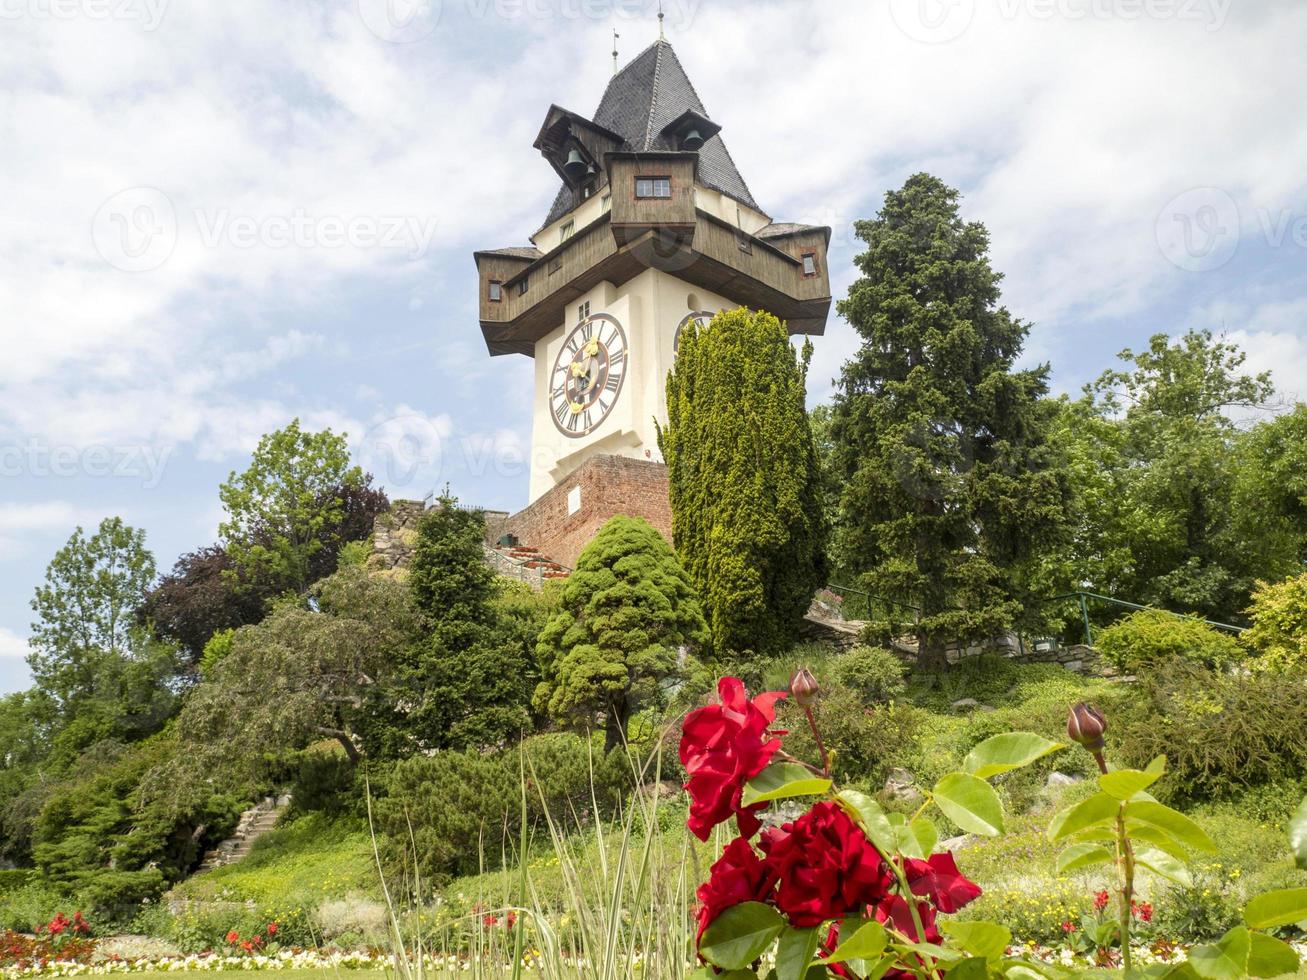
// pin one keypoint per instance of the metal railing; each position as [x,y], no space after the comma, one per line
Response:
[865,606]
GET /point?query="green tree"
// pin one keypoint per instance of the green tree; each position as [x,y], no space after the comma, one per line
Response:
[288,505]
[85,634]
[745,482]
[1158,466]
[1270,492]
[465,683]
[951,491]
[628,611]
[316,667]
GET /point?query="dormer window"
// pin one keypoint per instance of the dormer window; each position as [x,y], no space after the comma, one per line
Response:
[567,231]
[496,290]
[809,265]
[647,187]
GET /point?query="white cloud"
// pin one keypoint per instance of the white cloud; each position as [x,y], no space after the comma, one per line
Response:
[12,646]
[20,522]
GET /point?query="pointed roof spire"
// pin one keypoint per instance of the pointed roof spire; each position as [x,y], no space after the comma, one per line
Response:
[661,35]
[641,100]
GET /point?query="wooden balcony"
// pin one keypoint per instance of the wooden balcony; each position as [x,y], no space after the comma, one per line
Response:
[706,252]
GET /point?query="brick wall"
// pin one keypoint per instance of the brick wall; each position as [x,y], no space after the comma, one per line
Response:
[609,485]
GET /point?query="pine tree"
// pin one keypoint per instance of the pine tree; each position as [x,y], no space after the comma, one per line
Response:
[745,483]
[950,489]
[466,683]
[627,610]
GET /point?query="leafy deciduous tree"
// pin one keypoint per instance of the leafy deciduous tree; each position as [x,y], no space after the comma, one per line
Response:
[288,505]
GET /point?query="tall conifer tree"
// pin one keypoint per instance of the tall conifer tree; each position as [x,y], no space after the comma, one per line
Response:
[747,514]
[950,489]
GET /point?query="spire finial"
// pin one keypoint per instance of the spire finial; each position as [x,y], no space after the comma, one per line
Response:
[615,37]
[661,35]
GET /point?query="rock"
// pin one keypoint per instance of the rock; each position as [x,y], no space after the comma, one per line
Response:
[1057,780]
[955,843]
[970,704]
[901,785]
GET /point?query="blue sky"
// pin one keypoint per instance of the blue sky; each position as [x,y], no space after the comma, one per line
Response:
[218,217]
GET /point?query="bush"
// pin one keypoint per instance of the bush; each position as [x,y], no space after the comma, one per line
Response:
[1221,733]
[1278,637]
[866,742]
[873,673]
[1150,637]
[456,811]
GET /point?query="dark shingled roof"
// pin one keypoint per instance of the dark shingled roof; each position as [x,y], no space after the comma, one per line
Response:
[640,100]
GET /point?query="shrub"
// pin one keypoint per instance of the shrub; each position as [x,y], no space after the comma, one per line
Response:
[1221,733]
[873,673]
[29,907]
[866,742]
[1278,637]
[1150,637]
[454,811]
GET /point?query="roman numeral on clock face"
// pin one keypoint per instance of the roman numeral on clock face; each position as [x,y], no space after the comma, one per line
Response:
[588,375]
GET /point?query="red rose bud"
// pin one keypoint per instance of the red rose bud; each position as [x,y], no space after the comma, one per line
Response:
[1086,725]
[804,688]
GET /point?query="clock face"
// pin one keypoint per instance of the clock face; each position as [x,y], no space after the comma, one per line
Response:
[588,374]
[700,317]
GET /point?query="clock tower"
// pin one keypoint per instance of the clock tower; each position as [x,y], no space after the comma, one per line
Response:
[653,228]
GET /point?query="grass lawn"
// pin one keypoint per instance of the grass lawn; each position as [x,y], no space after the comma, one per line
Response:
[317,974]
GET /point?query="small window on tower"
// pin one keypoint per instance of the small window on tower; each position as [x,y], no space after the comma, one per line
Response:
[744,242]
[555,264]
[522,285]
[496,290]
[582,311]
[809,265]
[653,187]
[568,230]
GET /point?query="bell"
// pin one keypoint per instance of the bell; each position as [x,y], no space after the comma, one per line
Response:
[575,166]
[691,140]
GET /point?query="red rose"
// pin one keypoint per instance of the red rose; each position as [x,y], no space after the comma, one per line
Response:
[738,876]
[824,865]
[938,879]
[723,746]
[894,912]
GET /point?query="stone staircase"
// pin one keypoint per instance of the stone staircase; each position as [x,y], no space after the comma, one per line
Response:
[526,564]
[253,824]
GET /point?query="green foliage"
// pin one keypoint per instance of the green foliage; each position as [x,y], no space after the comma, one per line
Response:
[1270,493]
[1156,460]
[464,681]
[453,812]
[1150,637]
[746,491]
[85,634]
[103,833]
[288,504]
[1278,636]
[303,674]
[626,610]
[215,651]
[873,673]
[952,493]
[1220,732]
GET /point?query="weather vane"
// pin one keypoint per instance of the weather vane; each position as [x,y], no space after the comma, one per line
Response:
[615,37]
[661,36]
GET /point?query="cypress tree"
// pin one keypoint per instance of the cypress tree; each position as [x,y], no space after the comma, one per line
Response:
[747,516]
[951,492]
